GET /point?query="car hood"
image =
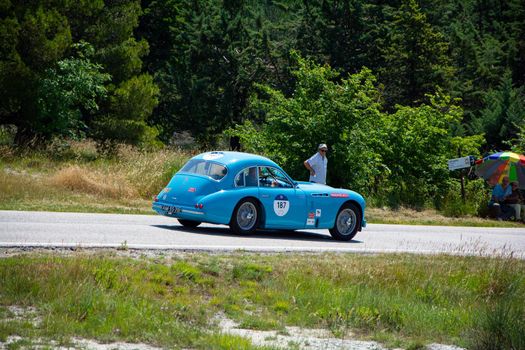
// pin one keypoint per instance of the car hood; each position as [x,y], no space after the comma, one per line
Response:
[316,189]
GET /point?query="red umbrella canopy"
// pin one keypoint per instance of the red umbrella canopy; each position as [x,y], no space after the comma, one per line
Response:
[494,167]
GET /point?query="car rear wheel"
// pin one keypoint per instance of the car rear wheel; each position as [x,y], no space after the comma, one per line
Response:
[346,223]
[245,218]
[189,223]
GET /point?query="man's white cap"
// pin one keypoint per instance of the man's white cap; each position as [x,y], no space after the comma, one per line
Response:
[323,146]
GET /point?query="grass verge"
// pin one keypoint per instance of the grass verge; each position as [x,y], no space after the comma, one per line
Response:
[169,301]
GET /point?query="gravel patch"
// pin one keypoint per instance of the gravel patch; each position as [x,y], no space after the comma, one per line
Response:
[19,313]
[77,343]
[306,339]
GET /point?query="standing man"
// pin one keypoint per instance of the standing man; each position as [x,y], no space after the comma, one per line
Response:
[317,165]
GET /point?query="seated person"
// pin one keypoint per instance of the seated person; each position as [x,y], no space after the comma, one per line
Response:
[516,201]
[497,206]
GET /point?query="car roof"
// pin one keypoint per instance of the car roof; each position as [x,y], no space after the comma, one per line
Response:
[236,160]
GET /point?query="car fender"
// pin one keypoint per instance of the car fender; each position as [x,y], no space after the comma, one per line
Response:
[356,202]
[219,206]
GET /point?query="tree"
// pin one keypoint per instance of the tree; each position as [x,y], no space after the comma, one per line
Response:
[133,95]
[346,115]
[421,139]
[47,91]
[130,106]
[35,39]
[415,57]
[68,90]
[208,57]
[503,114]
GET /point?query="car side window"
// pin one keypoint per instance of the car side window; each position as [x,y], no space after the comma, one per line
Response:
[247,178]
[217,171]
[272,177]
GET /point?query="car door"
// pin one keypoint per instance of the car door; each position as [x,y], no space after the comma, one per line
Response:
[284,203]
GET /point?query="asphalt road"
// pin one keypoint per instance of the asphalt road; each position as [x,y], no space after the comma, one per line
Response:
[47,229]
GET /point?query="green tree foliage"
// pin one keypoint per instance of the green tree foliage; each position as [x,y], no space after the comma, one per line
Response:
[485,40]
[421,141]
[401,156]
[503,115]
[11,67]
[345,115]
[415,57]
[208,57]
[519,143]
[35,39]
[178,65]
[67,90]
[132,95]
[46,91]
[346,34]
[130,106]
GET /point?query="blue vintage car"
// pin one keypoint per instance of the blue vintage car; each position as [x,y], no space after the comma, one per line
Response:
[249,192]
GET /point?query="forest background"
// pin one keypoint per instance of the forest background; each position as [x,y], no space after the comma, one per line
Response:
[395,88]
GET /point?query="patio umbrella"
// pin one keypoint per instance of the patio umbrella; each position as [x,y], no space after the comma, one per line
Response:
[495,166]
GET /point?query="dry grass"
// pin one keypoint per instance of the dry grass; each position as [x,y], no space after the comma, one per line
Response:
[75,176]
[22,191]
[111,185]
[148,172]
[429,217]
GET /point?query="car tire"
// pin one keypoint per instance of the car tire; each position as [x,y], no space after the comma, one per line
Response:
[346,223]
[189,223]
[246,217]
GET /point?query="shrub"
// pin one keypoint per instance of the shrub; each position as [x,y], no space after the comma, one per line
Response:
[476,198]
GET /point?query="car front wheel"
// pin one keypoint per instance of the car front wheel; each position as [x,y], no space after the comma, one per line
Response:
[245,218]
[189,223]
[346,223]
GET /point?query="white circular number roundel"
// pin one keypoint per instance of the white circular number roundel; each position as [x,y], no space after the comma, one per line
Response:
[281,205]
[212,156]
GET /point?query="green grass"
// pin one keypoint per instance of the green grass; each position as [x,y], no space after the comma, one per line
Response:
[401,300]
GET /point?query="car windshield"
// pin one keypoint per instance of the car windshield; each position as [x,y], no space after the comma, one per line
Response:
[203,167]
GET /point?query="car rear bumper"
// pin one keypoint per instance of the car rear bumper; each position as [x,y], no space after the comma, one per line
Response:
[179,211]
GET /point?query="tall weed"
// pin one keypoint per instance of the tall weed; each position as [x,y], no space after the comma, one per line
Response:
[500,323]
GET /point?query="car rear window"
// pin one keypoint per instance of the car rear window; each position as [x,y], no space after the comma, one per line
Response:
[203,167]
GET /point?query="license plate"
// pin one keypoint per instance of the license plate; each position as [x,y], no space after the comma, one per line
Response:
[170,209]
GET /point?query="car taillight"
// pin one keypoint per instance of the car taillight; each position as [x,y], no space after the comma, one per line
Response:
[156,198]
[199,206]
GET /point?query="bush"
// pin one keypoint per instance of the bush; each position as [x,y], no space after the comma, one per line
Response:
[61,149]
[7,135]
[401,157]
[476,198]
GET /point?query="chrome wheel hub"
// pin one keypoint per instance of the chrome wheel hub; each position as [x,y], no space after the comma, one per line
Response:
[247,216]
[346,222]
